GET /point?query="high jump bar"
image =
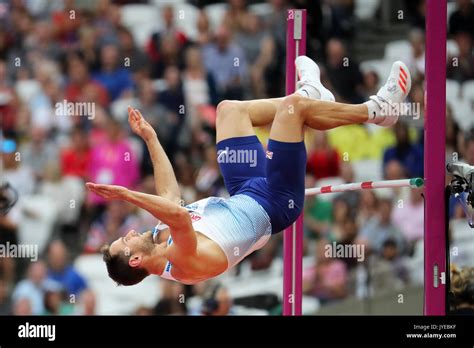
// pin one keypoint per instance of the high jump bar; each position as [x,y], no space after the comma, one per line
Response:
[365,185]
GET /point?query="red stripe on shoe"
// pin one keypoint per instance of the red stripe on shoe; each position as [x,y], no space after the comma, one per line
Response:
[403,72]
[326,189]
[403,79]
[366,184]
[402,87]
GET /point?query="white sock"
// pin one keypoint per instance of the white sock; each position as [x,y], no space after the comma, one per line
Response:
[309,91]
[374,110]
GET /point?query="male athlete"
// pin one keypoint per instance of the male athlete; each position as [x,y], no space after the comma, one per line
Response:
[206,238]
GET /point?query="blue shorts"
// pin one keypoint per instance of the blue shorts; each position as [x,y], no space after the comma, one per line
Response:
[275,179]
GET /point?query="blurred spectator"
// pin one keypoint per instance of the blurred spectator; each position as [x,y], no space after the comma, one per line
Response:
[54,300]
[323,159]
[317,213]
[343,72]
[461,67]
[341,212]
[8,105]
[218,302]
[237,15]
[383,270]
[143,311]
[342,18]
[404,159]
[65,25]
[116,221]
[178,120]
[347,235]
[185,174]
[20,177]
[259,50]
[164,47]
[367,207]
[416,12]
[381,228]
[22,306]
[42,102]
[263,258]
[416,60]
[351,197]
[462,289]
[469,149]
[81,87]
[116,79]
[172,301]
[209,182]
[113,161]
[204,34]
[327,278]
[275,22]
[462,19]
[391,254]
[133,57]
[40,152]
[198,85]
[62,271]
[41,43]
[87,303]
[5,300]
[33,287]
[225,60]
[75,159]
[408,216]
[371,81]
[89,47]
[453,135]
[16,171]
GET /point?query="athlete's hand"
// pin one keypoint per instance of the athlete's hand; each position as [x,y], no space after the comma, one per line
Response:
[139,125]
[108,191]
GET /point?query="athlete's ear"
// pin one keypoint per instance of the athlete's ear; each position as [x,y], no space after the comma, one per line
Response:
[135,260]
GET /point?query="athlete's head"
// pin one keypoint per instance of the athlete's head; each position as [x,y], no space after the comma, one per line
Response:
[127,257]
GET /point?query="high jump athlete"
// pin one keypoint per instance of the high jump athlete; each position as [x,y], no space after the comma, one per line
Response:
[210,236]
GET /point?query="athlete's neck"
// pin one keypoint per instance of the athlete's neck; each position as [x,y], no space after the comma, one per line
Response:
[155,262]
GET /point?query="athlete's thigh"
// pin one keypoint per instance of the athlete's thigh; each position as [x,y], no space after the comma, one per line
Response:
[240,159]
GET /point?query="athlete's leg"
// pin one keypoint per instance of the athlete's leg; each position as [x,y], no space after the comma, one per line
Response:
[236,118]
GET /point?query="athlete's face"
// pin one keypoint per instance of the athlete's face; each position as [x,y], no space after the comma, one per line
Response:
[133,242]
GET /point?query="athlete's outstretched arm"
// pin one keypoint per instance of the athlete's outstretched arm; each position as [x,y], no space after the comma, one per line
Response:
[166,185]
[172,214]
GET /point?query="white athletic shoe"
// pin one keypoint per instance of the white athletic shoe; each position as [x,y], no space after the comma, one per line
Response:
[309,80]
[384,107]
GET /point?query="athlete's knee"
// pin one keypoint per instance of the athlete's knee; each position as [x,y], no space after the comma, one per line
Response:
[292,105]
[227,109]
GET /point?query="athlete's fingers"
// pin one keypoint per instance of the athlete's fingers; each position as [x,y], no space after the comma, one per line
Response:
[136,115]
[130,110]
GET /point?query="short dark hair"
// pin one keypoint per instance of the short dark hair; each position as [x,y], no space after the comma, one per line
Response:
[119,269]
